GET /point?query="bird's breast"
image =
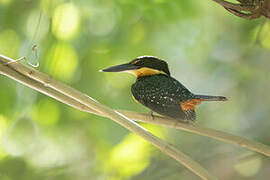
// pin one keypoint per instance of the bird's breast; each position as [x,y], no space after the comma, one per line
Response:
[149,89]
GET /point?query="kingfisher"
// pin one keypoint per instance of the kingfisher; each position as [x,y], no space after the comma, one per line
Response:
[156,89]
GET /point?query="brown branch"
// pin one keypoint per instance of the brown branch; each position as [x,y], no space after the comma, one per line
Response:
[45,84]
[247,9]
[239,7]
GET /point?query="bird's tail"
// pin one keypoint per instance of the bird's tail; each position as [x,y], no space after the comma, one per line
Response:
[210,98]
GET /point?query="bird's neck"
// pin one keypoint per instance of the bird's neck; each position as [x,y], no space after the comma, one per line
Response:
[140,78]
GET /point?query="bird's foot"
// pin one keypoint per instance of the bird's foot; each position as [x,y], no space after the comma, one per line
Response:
[193,123]
[151,113]
[188,121]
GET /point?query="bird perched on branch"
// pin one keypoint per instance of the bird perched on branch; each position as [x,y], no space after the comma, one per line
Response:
[157,90]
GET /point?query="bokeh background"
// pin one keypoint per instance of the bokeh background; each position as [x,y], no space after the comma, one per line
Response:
[209,50]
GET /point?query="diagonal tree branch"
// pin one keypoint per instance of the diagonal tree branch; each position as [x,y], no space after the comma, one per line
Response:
[80,101]
[74,98]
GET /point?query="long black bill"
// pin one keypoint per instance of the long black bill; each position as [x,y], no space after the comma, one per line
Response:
[119,68]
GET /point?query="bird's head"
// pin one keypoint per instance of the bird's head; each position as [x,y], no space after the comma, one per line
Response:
[142,66]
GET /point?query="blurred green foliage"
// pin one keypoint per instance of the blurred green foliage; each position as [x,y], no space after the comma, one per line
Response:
[208,50]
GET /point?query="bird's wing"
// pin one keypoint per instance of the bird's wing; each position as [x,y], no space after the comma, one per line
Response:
[165,96]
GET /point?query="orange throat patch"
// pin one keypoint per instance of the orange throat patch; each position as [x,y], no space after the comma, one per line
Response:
[145,72]
[190,104]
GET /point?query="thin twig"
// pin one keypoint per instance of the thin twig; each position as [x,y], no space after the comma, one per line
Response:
[219,135]
[13,70]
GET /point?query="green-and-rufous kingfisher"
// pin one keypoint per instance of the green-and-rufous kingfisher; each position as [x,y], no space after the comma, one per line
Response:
[157,90]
